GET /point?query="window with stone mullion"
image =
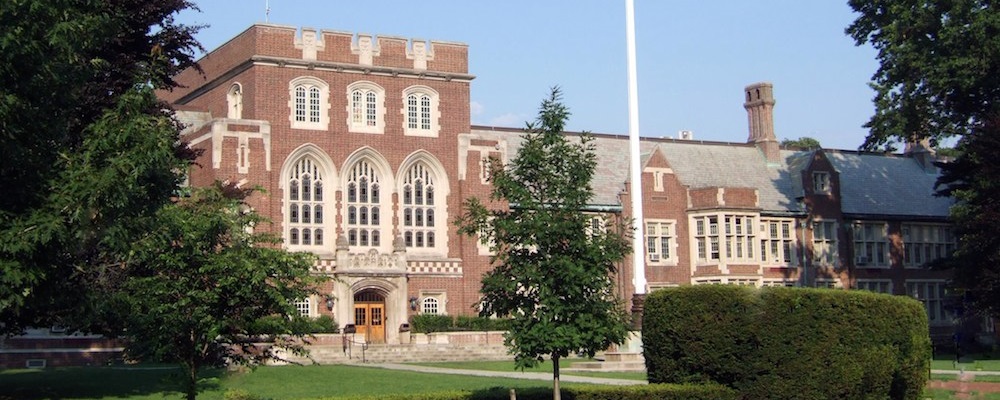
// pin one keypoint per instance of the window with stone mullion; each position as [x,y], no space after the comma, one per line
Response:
[363,207]
[418,208]
[300,103]
[305,204]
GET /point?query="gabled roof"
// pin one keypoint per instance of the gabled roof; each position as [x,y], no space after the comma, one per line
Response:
[877,184]
[871,184]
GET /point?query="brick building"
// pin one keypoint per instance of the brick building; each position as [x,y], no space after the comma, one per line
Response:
[365,149]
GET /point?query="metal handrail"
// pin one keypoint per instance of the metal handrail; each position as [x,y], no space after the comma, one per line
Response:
[348,346]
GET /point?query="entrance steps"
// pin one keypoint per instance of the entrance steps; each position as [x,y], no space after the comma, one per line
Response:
[401,353]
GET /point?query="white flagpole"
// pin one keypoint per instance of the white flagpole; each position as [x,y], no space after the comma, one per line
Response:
[267,11]
[635,180]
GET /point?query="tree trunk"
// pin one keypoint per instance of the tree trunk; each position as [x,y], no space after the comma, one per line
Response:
[556,395]
[192,381]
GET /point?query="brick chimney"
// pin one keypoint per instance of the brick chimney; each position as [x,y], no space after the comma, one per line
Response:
[760,116]
[922,153]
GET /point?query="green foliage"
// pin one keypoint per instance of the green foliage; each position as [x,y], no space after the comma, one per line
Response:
[240,394]
[296,323]
[940,66]
[637,392]
[199,284]
[430,323]
[84,147]
[804,142]
[551,275]
[779,343]
[971,180]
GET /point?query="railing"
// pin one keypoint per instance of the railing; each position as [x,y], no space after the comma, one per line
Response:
[348,344]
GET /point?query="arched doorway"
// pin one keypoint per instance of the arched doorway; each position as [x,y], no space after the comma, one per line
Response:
[369,315]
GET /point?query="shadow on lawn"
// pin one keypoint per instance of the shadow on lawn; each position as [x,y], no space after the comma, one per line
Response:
[99,382]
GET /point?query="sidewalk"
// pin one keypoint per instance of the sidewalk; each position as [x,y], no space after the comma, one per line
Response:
[540,376]
[964,387]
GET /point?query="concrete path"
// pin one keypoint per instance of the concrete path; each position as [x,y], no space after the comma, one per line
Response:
[540,376]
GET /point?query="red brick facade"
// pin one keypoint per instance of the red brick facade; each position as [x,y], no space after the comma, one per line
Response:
[712,232]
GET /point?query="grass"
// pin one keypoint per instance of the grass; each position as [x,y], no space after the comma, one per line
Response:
[546,367]
[968,363]
[278,383]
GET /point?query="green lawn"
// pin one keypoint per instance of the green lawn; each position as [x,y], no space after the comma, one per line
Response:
[278,383]
[968,363]
[546,367]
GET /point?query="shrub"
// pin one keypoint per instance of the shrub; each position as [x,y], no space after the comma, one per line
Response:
[637,392]
[239,394]
[430,323]
[788,342]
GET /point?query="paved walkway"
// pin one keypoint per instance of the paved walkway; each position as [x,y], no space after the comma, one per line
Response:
[541,376]
[964,387]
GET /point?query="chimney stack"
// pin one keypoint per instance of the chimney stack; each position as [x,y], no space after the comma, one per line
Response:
[760,116]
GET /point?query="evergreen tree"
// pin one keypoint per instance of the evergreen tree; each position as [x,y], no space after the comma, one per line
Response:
[553,275]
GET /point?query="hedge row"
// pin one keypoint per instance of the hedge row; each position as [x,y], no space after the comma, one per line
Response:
[430,323]
[782,343]
[637,392]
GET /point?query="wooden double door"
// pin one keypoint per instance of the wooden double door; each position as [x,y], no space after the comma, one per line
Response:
[369,315]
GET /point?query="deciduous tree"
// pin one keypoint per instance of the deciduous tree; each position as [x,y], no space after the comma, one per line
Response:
[84,145]
[804,142]
[940,77]
[200,281]
[552,274]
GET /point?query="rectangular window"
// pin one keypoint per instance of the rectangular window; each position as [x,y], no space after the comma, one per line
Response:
[735,241]
[875,285]
[303,307]
[871,246]
[780,283]
[777,242]
[821,182]
[660,240]
[931,294]
[825,242]
[923,243]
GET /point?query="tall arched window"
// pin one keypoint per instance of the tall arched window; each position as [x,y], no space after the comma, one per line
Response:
[418,208]
[305,204]
[363,206]
[365,108]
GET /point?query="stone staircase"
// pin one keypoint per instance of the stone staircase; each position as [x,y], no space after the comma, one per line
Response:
[401,353]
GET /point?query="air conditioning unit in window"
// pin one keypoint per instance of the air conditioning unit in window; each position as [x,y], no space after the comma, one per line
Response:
[861,260]
[654,257]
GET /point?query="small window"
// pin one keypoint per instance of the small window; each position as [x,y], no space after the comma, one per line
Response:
[420,111]
[309,103]
[430,306]
[365,108]
[821,182]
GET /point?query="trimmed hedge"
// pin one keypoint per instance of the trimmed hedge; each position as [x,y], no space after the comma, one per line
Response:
[637,392]
[782,343]
[430,323]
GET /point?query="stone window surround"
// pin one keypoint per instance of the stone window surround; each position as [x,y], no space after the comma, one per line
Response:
[308,82]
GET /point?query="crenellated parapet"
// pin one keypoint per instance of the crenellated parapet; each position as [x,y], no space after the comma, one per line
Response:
[309,44]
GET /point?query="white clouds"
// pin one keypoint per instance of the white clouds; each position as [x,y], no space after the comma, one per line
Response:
[508,120]
[475,108]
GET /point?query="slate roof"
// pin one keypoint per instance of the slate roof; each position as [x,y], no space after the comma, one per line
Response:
[871,184]
[876,184]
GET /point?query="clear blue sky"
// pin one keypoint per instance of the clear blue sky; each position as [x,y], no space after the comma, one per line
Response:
[694,58]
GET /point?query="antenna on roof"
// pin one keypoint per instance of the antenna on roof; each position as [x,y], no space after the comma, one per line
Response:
[267,10]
